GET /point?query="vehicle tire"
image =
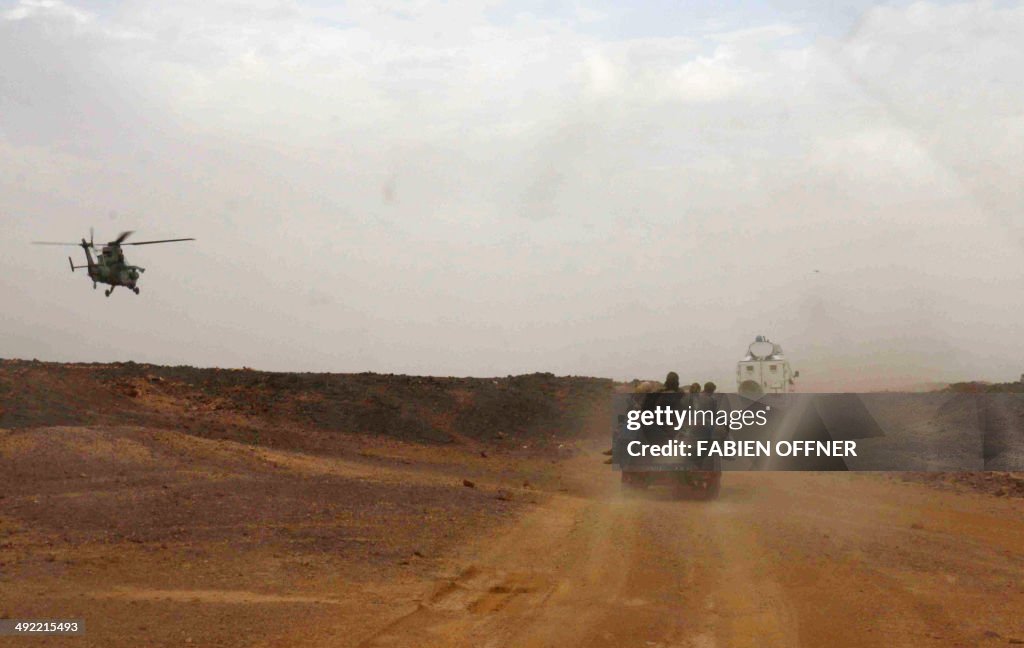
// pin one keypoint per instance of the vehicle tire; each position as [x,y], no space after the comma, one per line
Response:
[714,483]
[751,390]
[713,489]
[682,488]
[632,482]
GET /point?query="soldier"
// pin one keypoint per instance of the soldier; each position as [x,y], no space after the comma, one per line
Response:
[671,382]
[707,402]
[661,398]
[671,386]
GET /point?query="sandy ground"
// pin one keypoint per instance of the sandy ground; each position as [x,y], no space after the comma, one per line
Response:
[779,560]
[159,538]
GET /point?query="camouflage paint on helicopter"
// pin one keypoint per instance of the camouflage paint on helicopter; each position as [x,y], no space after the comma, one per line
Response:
[110,266]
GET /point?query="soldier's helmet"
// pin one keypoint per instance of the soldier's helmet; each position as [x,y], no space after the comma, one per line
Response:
[710,387]
[672,381]
[695,388]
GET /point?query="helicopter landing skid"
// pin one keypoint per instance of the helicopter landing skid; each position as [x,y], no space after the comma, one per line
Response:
[134,289]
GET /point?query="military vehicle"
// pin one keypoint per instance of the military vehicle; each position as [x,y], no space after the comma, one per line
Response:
[688,478]
[764,370]
[110,267]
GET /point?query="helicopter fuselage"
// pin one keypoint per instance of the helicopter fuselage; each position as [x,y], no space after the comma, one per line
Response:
[110,268]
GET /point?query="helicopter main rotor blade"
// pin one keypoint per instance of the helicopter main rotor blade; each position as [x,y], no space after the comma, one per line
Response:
[54,243]
[161,241]
[120,239]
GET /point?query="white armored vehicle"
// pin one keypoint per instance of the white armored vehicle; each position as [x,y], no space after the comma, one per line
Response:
[764,370]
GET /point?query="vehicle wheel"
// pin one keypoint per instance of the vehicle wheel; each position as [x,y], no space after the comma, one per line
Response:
[682,488]
[632,482]
[713,480]
[751,389]
[713,489]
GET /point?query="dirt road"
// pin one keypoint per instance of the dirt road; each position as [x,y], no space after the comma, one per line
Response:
[780,560]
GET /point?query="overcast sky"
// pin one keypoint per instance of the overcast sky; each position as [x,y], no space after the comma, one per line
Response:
[485,188]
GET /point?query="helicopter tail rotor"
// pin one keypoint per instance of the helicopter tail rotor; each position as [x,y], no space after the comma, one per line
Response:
[76,267]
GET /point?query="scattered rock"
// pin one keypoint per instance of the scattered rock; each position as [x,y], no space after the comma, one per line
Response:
[917,525]
[468,484]
[483,454]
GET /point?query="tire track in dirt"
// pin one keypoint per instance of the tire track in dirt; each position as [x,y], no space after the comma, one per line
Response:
[782,559]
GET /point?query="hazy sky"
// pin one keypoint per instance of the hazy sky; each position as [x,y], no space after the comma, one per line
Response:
[485,188]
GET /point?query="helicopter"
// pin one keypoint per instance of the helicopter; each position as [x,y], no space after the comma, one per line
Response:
[110,266]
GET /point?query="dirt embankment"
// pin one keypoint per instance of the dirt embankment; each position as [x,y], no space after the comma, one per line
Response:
[167,504]
[241,404]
